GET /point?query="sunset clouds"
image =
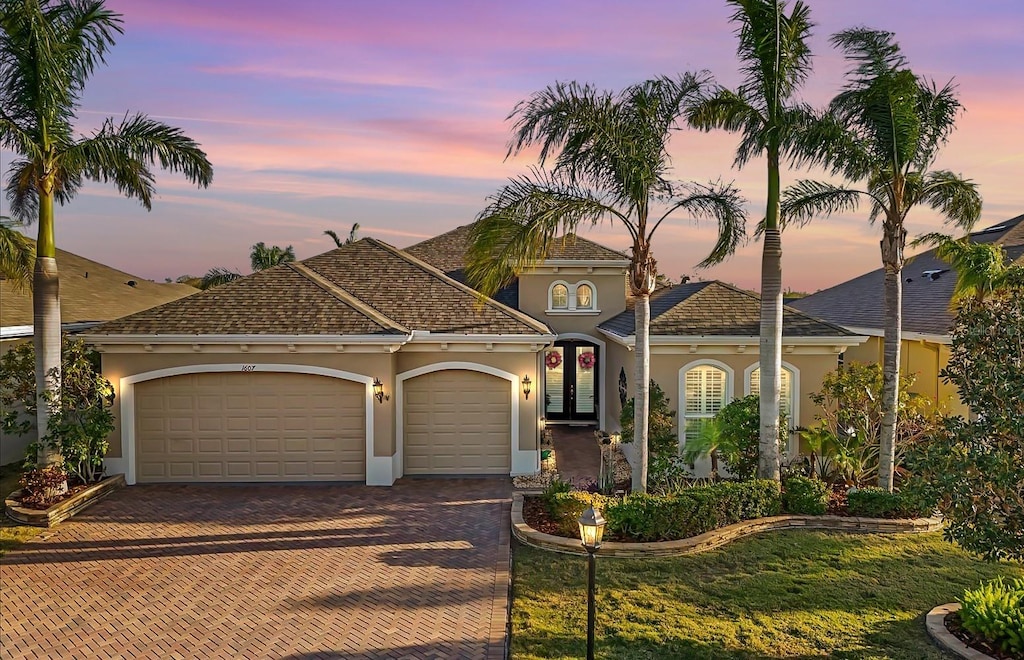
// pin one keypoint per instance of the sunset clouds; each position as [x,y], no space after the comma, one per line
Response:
[392,114]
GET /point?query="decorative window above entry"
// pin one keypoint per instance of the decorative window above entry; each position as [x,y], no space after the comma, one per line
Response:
[576,298]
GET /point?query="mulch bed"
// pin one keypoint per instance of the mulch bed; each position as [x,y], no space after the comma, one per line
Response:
[954,626]
[74,487]
[536,516]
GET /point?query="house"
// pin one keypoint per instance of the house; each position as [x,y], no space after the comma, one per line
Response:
[90,293]
[928,284]
[368,363]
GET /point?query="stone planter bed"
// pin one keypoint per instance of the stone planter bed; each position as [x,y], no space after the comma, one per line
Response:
[943,625]
[64,509]
[715,538]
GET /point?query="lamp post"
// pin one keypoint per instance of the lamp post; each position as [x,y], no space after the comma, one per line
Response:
[591,531]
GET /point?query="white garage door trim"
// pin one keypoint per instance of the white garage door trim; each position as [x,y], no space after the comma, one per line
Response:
[378,469]
[523,462]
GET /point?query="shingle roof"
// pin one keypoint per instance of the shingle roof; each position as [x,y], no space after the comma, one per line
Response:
[276,301]
[858,303]
[90,291]
[416,294]
[715,309]
[364,288]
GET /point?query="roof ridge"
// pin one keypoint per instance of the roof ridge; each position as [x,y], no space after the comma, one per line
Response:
[345,297]
[438,273]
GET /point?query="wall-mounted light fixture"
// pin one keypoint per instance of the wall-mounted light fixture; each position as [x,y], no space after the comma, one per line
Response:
[378,391]
[527,386]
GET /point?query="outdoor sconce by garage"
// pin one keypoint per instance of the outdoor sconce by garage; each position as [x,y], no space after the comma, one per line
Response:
[527,386]
[378,391]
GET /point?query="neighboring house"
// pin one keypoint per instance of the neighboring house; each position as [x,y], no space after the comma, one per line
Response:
[928,283]
[90,293]
[368,363]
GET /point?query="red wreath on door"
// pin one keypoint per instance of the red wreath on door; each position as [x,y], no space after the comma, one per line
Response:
[552,359]
[587,360]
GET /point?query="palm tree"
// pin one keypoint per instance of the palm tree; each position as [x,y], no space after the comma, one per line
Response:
[610,163]
[351,236]
[981,268]
[48,51]
[263,257]
[775,62]
[17,256]
[884,129]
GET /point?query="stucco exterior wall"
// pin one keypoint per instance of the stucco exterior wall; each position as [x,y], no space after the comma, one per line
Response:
[610,295]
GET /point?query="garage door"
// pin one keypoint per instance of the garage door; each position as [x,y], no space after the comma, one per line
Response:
[250,427]
[457,422]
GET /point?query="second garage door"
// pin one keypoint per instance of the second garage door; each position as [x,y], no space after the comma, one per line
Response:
[256,426]
[457,422]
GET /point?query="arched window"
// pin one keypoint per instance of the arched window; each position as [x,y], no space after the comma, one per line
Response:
[559,296]
[705,392]
[785,392]
[584,297]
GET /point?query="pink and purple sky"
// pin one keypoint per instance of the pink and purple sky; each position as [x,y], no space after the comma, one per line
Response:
[392,114]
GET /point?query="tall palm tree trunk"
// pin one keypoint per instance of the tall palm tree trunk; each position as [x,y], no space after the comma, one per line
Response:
[771,329]
[46,326]
[641,404]
[892,258]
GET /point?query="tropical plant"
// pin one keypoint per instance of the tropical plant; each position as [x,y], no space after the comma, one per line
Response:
[17,255]
[661,431]
[775,61]
[995,611]
[48,51]
[981,268]
[80,414]
[733,437]
[973,469]
[338,242]
[263,256]
[885,130]
[611,163]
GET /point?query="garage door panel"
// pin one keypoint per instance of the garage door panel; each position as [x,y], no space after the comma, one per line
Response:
[250,427]
[456,422]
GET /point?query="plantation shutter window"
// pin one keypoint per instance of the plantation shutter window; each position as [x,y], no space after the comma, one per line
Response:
[704,396]
[785,391]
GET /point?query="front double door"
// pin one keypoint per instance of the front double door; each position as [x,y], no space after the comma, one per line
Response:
[570,382]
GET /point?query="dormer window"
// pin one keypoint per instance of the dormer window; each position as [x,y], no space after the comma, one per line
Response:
[578,297]
[559,296]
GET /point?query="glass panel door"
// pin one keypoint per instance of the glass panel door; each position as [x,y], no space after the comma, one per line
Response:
[586,365]
[554,383]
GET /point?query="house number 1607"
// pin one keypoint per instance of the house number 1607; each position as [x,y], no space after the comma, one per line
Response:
[248,367]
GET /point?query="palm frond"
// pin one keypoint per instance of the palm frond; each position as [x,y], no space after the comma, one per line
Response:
[773,51]
[17,257]
[955,197]
[334,235]
[806,200]
[871,53]
[517,228]
[262,256]
[21,190]
[716,201]
[938,110]
[218,276]
[981,268]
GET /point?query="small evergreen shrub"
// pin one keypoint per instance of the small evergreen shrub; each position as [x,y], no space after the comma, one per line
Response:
[555,487]
[806,496]
[875,502]
[661,434]
[566,509]
[995,611]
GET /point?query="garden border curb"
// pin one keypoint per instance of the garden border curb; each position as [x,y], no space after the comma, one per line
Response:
[717,537]
[65,509]
[935,624]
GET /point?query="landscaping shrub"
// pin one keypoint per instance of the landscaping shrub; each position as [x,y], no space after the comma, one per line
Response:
[661,435]
[667,475]
[875,502]
[566,509]
[807,496]
[995,611]
[555,487]
[44,486]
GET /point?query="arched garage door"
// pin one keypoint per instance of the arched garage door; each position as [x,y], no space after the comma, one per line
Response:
[457,422]
[259,426]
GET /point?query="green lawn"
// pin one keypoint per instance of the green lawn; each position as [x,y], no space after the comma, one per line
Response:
[789,595]
[11,533]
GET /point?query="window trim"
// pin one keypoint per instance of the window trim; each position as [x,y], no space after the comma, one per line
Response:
[794,386]
[730,381]
[571,290]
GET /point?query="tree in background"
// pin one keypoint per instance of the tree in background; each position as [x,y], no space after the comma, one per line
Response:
[352,236]
[48,51]
[981,268]
[884,130]
[261,257]
[611,163]
[775,61]
[17,256]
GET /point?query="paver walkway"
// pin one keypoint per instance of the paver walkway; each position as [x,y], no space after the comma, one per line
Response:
[419,570]
[576,452]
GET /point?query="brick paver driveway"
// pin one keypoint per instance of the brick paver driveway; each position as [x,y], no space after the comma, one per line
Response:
[419,570]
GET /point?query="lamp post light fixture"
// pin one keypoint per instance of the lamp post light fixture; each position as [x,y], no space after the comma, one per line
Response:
[591,531]
[378,391]
[527,386]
